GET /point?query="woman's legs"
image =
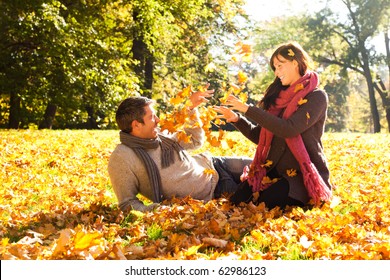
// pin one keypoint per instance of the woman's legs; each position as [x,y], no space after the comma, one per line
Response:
[277,195]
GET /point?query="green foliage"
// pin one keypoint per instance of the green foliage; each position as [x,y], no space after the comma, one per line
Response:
[82,58]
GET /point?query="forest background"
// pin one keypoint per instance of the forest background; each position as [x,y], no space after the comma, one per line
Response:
[67,64]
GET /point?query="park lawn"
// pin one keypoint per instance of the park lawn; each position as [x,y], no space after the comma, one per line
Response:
[56,202]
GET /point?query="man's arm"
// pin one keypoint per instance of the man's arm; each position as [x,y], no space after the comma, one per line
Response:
[125,183]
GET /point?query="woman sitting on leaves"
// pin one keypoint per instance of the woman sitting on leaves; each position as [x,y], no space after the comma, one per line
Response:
[289,167]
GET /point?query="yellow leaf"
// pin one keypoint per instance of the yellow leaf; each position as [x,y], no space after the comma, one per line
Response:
[235,88]
[84,240]
[267,180]
[209,171]
[186,92]
[243,97]
[242,77]
[192,250]
[291,172]
[298,87]
[291,52]
[302,101]
[176,100]
[268,163]
[4,242]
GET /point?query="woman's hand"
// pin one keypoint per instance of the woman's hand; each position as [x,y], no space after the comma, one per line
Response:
[200,97]
[236,104]
[226,114]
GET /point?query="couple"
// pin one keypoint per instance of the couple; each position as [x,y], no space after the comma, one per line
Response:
[288,168]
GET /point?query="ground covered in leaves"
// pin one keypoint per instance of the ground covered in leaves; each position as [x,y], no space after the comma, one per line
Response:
[56,202]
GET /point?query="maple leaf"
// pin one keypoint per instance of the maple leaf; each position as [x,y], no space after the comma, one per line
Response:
[291,172]
[177,100]
[84,239]
[290,52]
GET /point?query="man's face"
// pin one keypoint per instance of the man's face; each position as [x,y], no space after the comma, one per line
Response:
[149,128]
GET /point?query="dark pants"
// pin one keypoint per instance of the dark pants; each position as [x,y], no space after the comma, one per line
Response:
[229,170]
[274,195]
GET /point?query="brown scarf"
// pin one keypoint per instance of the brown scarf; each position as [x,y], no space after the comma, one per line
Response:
[168,147]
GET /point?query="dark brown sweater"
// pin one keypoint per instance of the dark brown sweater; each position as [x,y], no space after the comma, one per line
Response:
[309,121]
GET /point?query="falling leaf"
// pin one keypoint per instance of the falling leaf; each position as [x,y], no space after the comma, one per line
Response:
[267,180]
[242,77]
[298,87]
[243,97]
[302,101]
[291,172]
[209,171]
[268,163]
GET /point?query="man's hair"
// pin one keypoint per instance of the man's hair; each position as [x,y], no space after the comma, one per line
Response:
[131,109]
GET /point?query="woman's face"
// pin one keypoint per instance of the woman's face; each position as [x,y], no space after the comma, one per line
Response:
[287,71]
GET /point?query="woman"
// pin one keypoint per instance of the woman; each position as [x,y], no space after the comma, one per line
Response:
[289,167]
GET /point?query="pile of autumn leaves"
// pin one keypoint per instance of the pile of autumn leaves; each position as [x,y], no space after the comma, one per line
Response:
[57,203]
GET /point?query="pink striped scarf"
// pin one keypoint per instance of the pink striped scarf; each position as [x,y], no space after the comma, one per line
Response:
[289,99]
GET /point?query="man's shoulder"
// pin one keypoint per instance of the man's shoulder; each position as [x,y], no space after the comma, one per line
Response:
[121,151]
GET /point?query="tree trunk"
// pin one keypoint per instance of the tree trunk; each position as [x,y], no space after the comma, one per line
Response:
[149,73]
[385,96]
[92,123]
[373,104]
[144,69]
[14,111]
[371,90]
[48,117]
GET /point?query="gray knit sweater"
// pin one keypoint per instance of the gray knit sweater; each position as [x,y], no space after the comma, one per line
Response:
[129,177]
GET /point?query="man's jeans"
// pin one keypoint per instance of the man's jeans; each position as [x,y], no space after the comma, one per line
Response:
[229,170]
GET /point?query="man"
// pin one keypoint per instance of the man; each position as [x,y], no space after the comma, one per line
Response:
[158,166]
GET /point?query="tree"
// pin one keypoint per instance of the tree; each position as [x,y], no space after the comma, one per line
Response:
[68,63]
[345,41]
